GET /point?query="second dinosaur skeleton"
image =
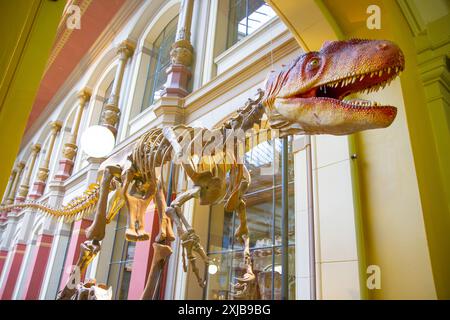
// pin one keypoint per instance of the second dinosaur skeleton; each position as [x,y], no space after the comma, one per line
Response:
[304,97]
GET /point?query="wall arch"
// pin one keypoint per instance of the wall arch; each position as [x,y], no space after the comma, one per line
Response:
[150,24]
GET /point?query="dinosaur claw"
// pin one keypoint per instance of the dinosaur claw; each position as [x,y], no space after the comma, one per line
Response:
[245,287]
[248,277]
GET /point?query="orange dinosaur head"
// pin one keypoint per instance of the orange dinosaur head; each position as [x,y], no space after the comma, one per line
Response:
[308,94]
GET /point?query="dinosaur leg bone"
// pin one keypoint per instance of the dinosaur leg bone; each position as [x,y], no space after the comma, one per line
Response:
[96,230]
[246,286]
[161,252]
[161,247]
[189,239]
[165,223]
[137,201]
[88,251]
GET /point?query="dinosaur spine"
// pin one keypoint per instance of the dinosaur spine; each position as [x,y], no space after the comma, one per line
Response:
[77,208]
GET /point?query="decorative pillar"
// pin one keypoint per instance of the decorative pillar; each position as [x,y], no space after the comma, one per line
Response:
[181,54]
[25,185]
[12,272]
[77,237]
[111,112]
[38,264]
[9,186]
[78,233]
[143,255]
[57,233]
[70,148]
[42,175]
[3,213]
[3,256]
[13,191]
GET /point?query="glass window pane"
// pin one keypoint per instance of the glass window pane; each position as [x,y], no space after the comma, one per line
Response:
[159,62]
[245,17]
[105,100]
[122,260]
[263,201]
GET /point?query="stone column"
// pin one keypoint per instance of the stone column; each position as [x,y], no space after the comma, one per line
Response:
[9,186]
[42,175]
[78,234]
[37,266]
[181,54]
[111,112]
[70,148]
[25,185]
[12,272]
[12,177]
[12,192]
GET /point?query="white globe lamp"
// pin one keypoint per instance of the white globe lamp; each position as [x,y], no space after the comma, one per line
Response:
[212,269]
[97,141]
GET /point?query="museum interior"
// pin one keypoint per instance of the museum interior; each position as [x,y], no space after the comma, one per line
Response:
[93,86]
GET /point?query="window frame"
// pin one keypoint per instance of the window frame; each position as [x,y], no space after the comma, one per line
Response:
[119,231]
[155,69]
[231,249]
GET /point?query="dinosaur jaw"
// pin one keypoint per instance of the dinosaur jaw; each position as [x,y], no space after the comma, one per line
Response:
[323,110]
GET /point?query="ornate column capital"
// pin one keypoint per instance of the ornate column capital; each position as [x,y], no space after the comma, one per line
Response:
[182,52]
[125,49]
[20,166]
[36,148]
[24,186]
[84,95]
[55,126]
[42,174]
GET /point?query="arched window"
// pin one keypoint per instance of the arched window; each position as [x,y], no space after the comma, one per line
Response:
[122,258]
[105,100]
[245,17]
[263,201]
[159,62]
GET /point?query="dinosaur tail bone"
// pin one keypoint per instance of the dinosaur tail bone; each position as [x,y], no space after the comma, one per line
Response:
[75,209]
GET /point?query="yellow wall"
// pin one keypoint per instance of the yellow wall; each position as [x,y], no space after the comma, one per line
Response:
[403,184]
[27,29]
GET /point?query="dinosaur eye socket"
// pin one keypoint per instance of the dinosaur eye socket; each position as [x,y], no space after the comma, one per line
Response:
[314,63]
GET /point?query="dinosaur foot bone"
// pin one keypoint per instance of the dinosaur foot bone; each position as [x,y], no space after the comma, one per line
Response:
[89,290]
[133,235]
[88,250]
[191,244]
[246,288]
[165,231]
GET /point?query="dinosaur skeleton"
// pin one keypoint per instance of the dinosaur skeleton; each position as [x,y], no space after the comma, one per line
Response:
[304,97]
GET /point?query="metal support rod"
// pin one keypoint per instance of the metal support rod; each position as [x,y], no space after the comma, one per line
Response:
[311,236]
[274,208]
[157,292]
[284,221]
[170,185]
